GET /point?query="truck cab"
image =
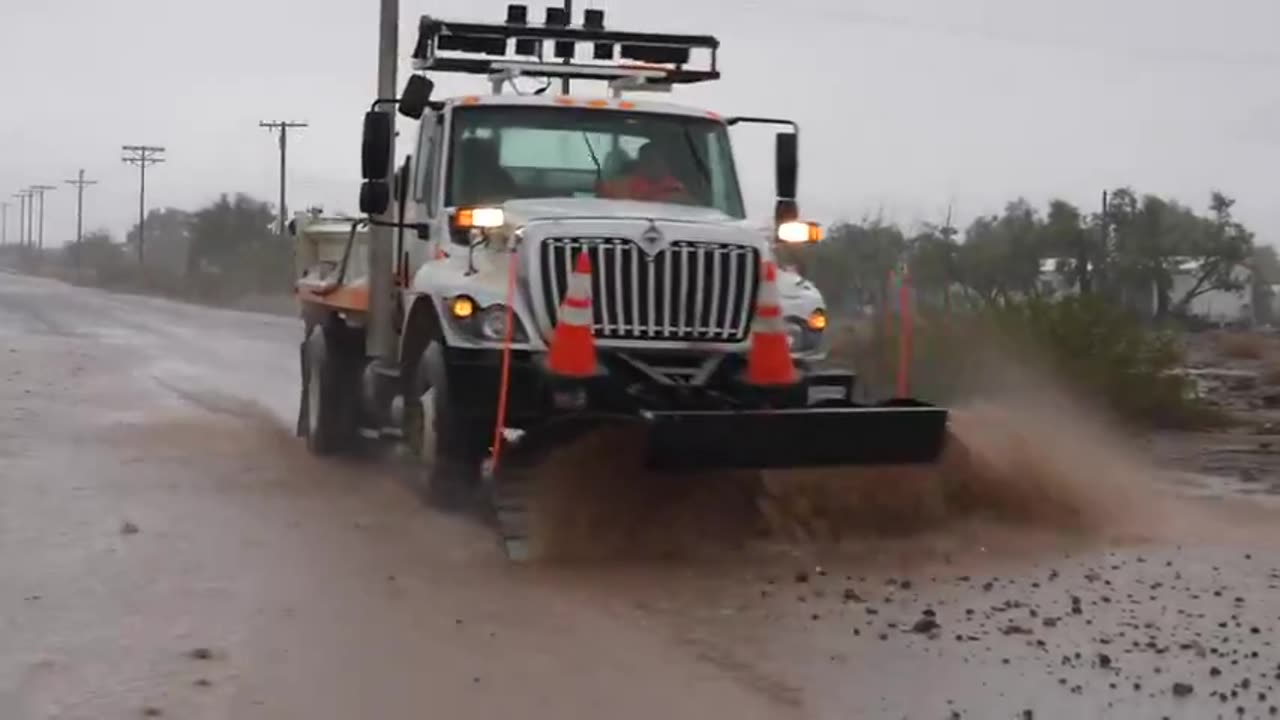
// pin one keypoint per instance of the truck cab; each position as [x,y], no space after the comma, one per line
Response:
[648,190]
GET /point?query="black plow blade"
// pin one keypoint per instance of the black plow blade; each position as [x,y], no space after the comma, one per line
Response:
[899,432]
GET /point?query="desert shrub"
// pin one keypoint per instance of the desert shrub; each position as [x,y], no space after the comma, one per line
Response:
[1101,349]
[1088,348]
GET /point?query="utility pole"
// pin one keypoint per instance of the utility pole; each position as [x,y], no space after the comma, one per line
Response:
[40,191]
[22,214]
[142,156]
[80,184]
[568,15]
[4,224]
[283,127]
[31,216]
[380,342]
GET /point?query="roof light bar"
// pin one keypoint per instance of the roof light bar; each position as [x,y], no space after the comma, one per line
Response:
[454,46]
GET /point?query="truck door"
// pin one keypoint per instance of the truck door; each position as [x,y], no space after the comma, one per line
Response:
[427,188]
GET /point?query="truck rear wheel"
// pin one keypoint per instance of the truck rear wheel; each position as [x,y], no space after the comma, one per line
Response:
[329,395]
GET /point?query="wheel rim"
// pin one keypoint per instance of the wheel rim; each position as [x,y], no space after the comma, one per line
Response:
[313,398]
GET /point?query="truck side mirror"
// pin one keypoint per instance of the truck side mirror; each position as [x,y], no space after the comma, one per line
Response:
[416,96]
[375,149]
[788,165]
[375,197]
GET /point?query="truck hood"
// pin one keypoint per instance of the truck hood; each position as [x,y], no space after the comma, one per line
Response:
[520,212]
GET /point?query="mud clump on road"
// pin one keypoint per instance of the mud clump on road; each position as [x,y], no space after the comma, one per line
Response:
[1042,466]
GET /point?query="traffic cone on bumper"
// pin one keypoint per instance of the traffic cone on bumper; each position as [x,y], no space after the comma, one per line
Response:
[769,359]
[573,350]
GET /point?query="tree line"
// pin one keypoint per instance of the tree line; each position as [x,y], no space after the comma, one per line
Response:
[1130,250]
[224,249]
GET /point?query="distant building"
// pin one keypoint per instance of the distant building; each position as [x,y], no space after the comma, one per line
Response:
[1215,306]
[1055,278]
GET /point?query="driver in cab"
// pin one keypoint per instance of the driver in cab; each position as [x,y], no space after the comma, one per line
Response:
[649,179]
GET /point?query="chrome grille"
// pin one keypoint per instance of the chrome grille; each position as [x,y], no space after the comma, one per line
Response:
[688,291]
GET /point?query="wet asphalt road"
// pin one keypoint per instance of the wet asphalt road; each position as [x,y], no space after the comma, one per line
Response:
[167,549]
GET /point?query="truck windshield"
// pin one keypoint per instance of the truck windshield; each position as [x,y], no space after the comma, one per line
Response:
[502,153]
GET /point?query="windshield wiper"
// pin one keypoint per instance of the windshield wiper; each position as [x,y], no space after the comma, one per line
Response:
[594,159]
[703,170]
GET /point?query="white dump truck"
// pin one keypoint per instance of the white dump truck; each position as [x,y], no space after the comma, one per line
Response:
[428,321]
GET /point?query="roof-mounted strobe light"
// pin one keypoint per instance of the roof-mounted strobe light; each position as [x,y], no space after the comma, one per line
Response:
[594,20]
[558,17]
[518,15]
[478,44]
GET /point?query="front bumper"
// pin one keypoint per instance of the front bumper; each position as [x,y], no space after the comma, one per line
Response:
[721,424]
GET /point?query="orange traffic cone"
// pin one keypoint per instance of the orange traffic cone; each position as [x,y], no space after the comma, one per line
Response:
[573,351]
[769,360]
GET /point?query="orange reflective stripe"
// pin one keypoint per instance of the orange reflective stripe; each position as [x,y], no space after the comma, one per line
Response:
[344,297]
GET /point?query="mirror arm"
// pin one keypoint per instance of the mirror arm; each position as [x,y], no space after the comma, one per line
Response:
[471,251]
[420,227]
[762,121]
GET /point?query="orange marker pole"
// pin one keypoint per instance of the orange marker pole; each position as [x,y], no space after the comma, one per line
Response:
[888,307]
[904,338]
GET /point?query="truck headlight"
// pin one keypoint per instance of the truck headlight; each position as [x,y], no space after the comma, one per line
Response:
[798,232]
[491,324]
[800,336]
[488,323]
[485,218]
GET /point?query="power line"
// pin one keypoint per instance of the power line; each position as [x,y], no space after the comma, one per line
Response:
[80,184]
[143,156]
[283,127]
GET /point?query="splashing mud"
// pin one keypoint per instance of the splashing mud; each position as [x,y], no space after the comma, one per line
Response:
[595,500]
[1042,466]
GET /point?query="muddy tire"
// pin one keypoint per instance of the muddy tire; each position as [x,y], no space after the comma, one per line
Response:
[450,449]
[328,414]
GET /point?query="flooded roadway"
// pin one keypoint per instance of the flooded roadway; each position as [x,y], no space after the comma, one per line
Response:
[167,549]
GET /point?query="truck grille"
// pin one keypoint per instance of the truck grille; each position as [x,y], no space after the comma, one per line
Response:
[689,291]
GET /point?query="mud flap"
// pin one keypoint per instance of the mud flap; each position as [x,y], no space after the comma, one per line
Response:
[897,432]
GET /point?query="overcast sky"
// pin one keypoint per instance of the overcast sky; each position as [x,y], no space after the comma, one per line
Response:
[906,105]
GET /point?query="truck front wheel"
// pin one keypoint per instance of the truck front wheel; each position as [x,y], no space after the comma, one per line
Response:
[450,447]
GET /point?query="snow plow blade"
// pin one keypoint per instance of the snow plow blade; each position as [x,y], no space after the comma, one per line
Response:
[897,432]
